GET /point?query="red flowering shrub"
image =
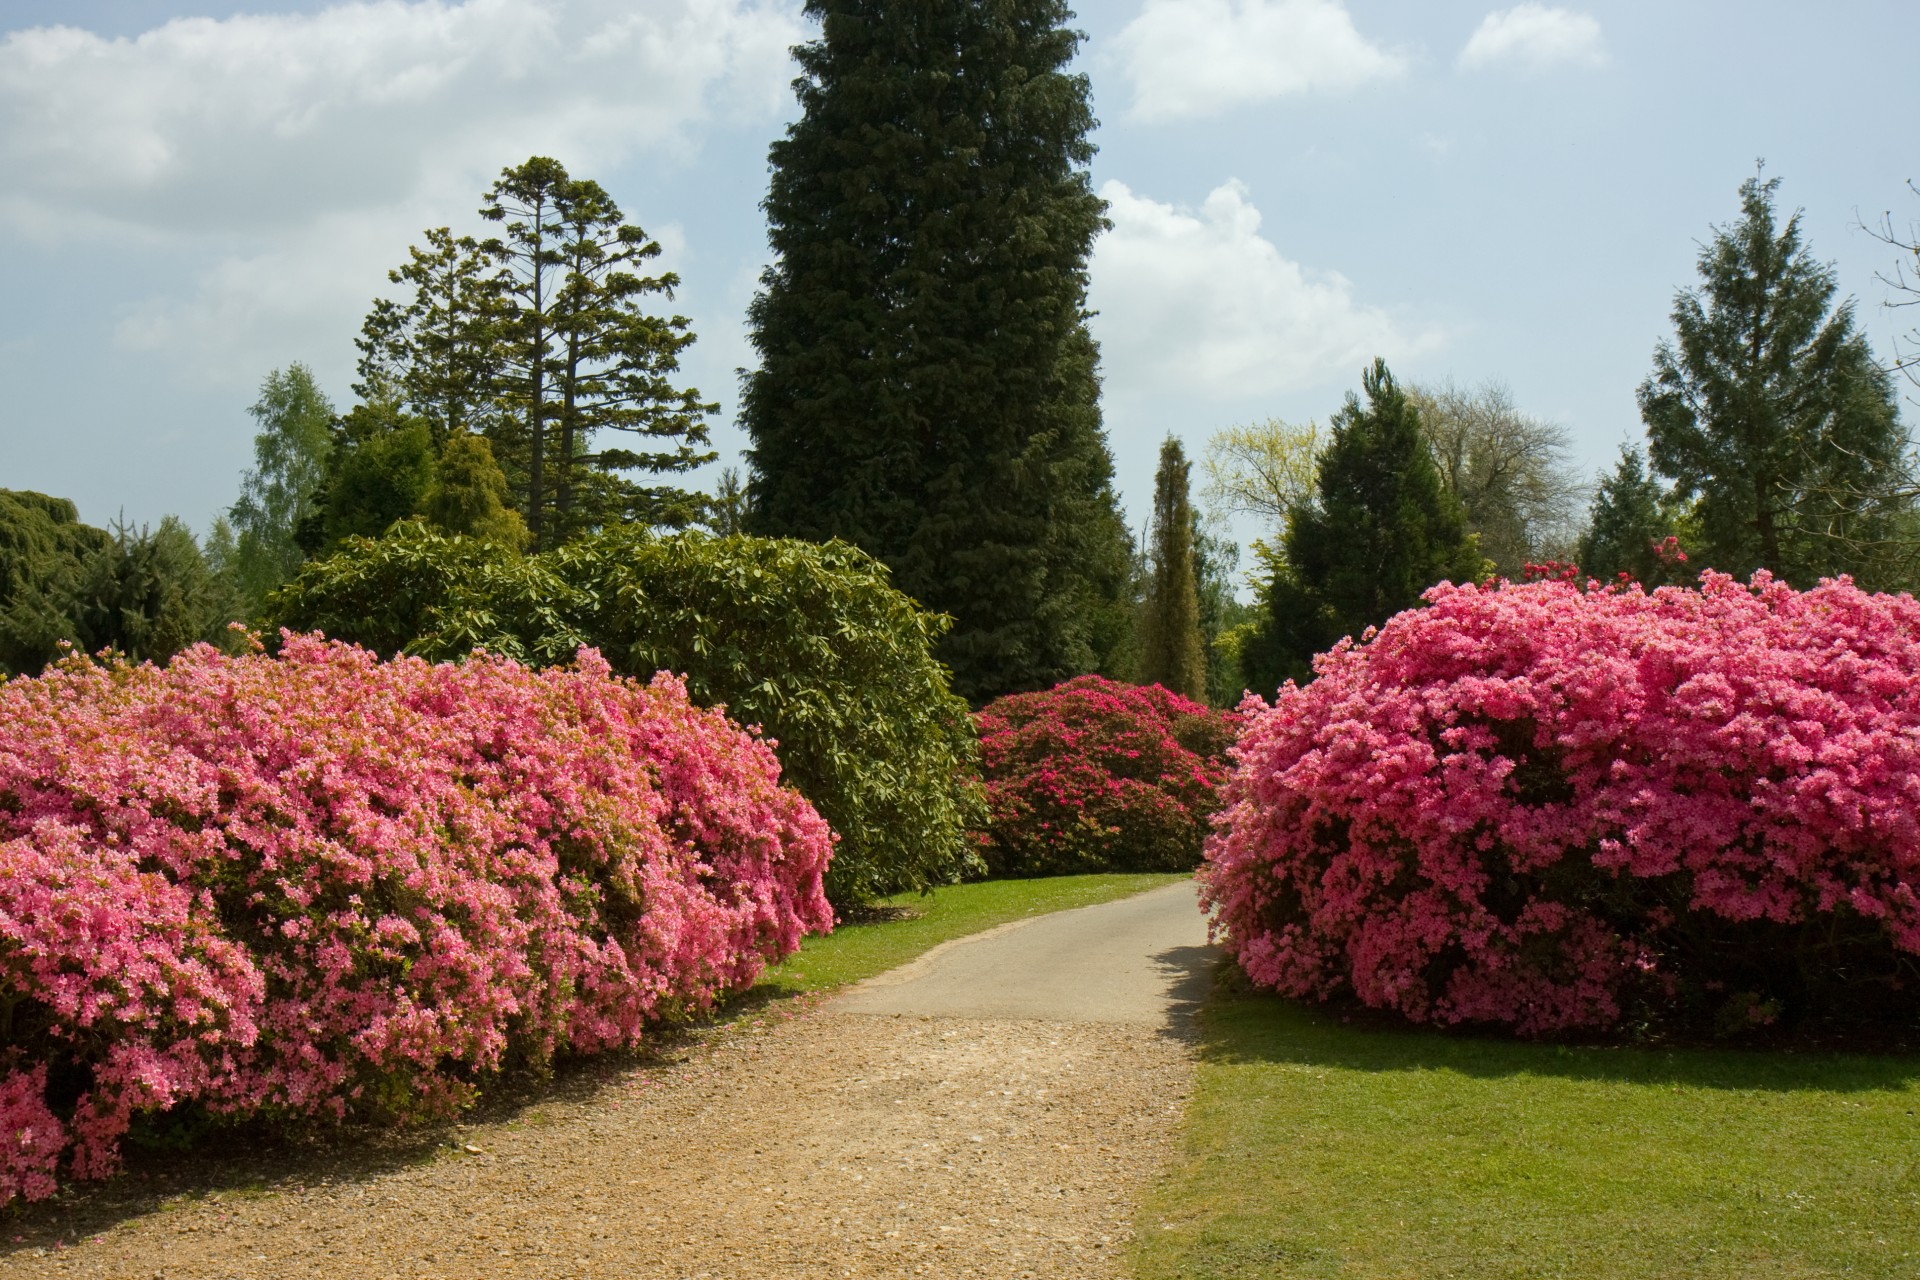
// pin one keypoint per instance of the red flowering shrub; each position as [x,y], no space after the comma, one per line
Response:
[1543,805]
[1093,775]
[321,884]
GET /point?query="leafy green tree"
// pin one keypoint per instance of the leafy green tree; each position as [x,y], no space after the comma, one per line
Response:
[1223,616]
[1381,529]
[1630,517]
[1509,470]
[469,495]
[1769,409]
[927,385]
[380,471]
[290,454]
[578,354]
[1170,648]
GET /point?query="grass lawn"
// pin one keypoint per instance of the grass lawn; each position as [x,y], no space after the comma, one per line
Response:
[1321,1149]
[855,951]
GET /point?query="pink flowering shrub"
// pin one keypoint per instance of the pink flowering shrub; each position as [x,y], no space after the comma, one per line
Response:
[325,885]
[1549,807]
[1093,775]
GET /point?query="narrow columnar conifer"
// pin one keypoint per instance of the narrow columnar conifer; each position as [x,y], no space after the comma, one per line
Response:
[1170,650]
[927,386]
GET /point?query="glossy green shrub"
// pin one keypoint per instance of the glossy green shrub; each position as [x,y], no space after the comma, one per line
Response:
[809,641]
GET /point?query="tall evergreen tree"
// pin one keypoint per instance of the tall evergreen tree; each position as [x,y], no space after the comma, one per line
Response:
[927,384]
[1381,529]
[290,454]
[1170,652]
[1770,407]
[437,354]
[1630,515]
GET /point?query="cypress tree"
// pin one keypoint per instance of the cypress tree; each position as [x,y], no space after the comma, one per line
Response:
[1170,653]
[927,387]
[1382,529]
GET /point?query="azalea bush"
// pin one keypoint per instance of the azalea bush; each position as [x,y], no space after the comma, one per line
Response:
[1551,807]
[810,641]
[1094,775]
[324,885]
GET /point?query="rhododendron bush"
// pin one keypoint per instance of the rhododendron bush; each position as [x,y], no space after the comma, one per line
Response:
[321,884]
[1554,807]
[1093,775]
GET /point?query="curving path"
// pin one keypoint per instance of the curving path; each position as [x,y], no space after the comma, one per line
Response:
[993,1109]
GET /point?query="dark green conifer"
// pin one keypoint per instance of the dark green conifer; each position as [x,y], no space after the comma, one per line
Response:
[1170,653]
[1381,529]
[927,386]
[1630,515]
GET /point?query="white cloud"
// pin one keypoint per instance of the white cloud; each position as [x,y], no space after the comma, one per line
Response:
[294,156]
[1200,57]
[1201,303]
[1535,37]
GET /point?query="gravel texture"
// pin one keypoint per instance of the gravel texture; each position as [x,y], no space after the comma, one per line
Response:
[806,1140]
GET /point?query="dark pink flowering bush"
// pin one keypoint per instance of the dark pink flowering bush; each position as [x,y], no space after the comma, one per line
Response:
[321,884]
[1549,807]
[1093,775]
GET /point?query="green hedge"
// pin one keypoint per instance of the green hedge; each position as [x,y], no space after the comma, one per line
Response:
[809,641]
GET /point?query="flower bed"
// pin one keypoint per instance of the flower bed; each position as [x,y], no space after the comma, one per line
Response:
[1093,775]
[1550,807]
[325,885]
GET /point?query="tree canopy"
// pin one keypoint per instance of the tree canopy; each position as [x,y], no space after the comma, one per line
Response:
[1768,410]
[926,386]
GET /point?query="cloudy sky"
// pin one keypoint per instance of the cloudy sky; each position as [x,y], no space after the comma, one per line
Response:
[200,191]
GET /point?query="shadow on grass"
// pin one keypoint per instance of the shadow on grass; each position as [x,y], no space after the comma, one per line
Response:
[1238,1026]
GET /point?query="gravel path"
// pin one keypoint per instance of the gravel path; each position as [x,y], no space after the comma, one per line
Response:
[994,1109]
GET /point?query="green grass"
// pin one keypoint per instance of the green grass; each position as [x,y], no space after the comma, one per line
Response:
[856,951]
[1320,1149]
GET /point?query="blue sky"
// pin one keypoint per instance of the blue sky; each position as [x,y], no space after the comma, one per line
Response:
[199,193]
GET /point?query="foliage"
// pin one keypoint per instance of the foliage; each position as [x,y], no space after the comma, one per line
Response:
[811,642]
[44,549]
[1382,529]
[1549,808]
[469,494]
[927,385]
[1098,776]
[1223,617]
[1509,471]
[1769,406]
[290,454]
[1632,516]
[539,340]
[379,471]
[1263,470]
[146,593]
[322,885]
[1170,645]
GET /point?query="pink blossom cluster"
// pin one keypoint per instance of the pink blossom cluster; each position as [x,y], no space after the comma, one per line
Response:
[1538,804]
[1094,775]
[321,884]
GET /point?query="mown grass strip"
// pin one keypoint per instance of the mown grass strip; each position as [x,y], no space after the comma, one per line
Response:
[1321,1149]
[855,951]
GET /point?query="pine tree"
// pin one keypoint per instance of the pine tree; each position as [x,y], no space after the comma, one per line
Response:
[1382,529]
[927,387]
[1170,653]
[437,355]
[1771,409]
[1630,515]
